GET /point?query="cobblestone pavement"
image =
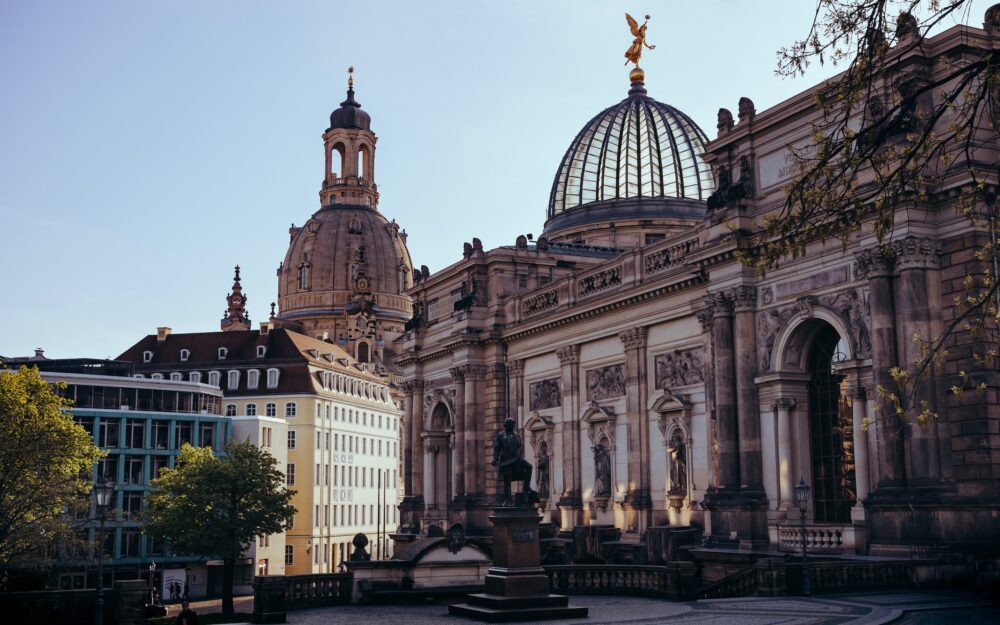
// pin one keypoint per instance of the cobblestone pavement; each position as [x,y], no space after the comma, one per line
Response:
[870,609]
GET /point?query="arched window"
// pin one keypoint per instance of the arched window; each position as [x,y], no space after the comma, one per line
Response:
[233,380]
[304,276]
[363,355]
[253,378]
[230,410]
[362,161]
[195,376]
[337,160]
[185,354]
[213,378]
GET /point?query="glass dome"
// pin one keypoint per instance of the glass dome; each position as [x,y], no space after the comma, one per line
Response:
[637,148]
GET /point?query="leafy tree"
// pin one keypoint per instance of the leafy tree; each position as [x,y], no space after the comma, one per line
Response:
[218,505]
[45,462]
[887,139]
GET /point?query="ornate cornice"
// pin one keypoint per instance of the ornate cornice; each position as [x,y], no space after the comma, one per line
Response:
[633,338]
[568,354]
[474,372]
[917,253]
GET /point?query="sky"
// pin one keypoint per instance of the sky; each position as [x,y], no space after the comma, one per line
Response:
[148,147]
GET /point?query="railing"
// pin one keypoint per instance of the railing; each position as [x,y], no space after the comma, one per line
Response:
[818,538]
[738,584]
[599,281]
[661,260]
[674,581]
[847,575]
[312,591]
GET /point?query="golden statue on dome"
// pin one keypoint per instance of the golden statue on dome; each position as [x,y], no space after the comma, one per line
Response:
[634,51]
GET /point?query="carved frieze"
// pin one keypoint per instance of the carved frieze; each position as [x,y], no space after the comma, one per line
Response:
[744,297]
[605,382]
[600,281]
[849,306]
[538,303]
[544,394]
[679,368]
[914,253]
[873,263]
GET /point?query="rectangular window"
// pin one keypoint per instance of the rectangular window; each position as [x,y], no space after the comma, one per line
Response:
[160,434]
[206,435]
[134,473]
[290,409]
[317,474]
[156,465]
[135,433]
[290,474]
[289,554]
[317,440]
[291,440]
[132,506]
[182,434]
[326,475]
[107,468]
[271,410]
[131,541]
[251,410]
[107,433]
[316,516]
[327,441]
[326,515]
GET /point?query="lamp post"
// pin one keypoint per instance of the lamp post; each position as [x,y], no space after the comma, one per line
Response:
[152,583]
[103,491]
[802,498]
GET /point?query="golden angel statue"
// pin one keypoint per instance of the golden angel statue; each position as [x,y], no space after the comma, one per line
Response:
[639,32]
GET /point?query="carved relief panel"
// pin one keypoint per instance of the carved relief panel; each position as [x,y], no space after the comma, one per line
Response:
[605,382]
[679,368]
[544,394]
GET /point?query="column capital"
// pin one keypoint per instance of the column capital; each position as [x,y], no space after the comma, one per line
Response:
[916,253]
[784,403]
[633,338]
[568,354]
[743,297]
[720,304]
[704,316]
[413,386]
[475,372]
[515,367]
[877,262]
[859,392]
[457,374]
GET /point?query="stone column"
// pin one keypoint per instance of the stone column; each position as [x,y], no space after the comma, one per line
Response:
[745,330]
[877,266]
[458,466]
[914,259]
[416,430]
[474,415]
[786,495]
[727,419]
[861,475]
[570,501]
[638,508]
[515,390]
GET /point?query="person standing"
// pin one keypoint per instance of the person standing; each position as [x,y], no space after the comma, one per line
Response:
[187,615]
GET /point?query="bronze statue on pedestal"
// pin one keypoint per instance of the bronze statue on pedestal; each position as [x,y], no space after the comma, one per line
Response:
[508,457]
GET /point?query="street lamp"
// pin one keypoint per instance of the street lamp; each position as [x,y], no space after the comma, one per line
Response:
[152,583]
[103,492]
[802,498]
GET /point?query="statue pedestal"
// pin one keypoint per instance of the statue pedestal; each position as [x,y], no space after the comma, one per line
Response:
[517,588]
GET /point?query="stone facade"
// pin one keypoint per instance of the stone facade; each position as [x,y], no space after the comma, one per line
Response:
[665,383]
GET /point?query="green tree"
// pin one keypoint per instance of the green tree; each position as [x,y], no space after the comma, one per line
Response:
[45,464]
[888,139]
[212,505]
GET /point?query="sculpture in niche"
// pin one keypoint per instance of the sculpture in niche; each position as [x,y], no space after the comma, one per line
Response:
[679,368]
[602,471]
[508,457]
[544,394]
[542,469]
[605,382]
[678,463]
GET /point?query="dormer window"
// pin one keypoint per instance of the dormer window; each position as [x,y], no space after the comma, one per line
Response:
[261,351]
[147,356]
[272,378]
[195,376]
[222,353]
[157,376]
[233,381]
[176,376]
[314,353]
[253,378]
[304,276]
[185,354]
[213,378]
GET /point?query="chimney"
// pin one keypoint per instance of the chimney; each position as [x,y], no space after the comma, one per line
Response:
[39,352]
[265,327]
[323,336]
[162,333]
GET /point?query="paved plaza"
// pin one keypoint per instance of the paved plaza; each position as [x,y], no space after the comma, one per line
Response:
[923,608]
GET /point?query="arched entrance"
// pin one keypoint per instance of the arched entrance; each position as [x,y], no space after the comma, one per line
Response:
[831,432]
[437,460]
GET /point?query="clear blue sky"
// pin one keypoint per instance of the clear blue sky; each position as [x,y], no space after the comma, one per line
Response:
[147,147]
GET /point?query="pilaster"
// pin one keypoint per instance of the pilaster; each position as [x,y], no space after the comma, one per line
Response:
[570,503]
[638,503]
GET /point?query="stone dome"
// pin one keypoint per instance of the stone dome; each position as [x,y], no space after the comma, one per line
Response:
[635,150]
[350,114]
[344,256]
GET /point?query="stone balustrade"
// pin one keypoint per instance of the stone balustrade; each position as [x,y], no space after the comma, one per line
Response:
[675,580]
[819,538]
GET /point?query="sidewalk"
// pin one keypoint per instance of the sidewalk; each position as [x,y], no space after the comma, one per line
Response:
[857,609]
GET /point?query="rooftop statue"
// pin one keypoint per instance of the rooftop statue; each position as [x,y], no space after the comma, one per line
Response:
[634,51]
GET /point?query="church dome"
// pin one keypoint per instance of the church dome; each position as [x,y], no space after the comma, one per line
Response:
[635,150]
[350,114]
